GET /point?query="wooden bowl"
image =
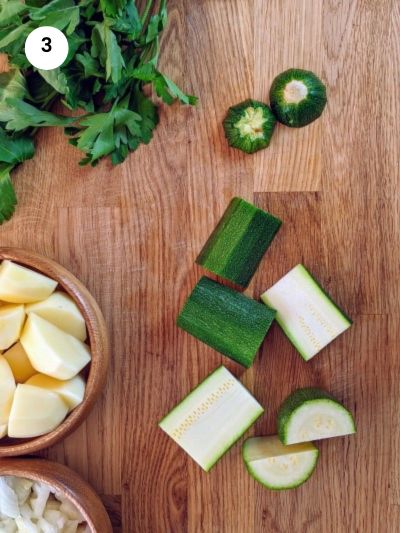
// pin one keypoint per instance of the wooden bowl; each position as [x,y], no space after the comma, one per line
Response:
[97,337]
[63,480]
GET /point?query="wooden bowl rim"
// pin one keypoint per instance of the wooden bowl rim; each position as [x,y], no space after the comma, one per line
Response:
[99,344]
[62,479]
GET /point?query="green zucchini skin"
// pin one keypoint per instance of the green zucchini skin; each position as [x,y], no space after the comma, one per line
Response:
[226,320]
[297,115]
[244,114]
[296,400]
[239,241]
[251,465]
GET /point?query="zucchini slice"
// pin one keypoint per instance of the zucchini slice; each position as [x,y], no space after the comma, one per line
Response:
[212,417]
[297,97]
[313,414]
[305,312]
[279,467]
[226,320]
[249,126]
[238,243]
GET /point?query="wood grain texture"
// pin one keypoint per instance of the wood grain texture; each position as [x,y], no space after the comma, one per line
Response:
[131,235]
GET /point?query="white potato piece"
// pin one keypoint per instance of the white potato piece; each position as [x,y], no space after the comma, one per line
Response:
[35,412]
[71,391]
[12,318]
[51,351]
[19,363]
[21,285]
[7,390]
[62,311]
[3,433]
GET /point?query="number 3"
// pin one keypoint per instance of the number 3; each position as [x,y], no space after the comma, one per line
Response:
[47,41]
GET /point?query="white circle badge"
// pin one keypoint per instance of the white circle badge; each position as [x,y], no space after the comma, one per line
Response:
[46,48]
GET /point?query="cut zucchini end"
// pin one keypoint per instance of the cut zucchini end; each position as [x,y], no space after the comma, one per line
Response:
[312,414]
[305,311]
[239,241]
[298,97]
[212,417]
[249,126]
[279,467]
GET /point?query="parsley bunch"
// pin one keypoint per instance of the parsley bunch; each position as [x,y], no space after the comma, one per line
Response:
[113,54]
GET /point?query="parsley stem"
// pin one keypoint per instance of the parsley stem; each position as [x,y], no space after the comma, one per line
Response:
[146,12]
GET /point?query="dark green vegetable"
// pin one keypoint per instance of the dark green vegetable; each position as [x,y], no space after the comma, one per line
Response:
[297,97]
[238,243]
[249,126]
[113,54]
[226,320]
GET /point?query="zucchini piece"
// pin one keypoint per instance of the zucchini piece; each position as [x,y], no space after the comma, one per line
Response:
[226,320]
[279,467]
[238,243]
[313,414]
[305,312]
[249,126]
[297,97]
[212,417]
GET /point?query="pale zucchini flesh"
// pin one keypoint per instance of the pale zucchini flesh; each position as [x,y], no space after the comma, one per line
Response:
[276,466]
[305,312]
[313,414]
[212,417]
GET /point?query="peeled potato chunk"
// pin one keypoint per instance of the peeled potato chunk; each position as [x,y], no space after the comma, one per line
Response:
[62,311]
[51,351]
[21,285]
[71,391]
[35,412]
[12,319]
[7,389]
[3,431]
[19,363]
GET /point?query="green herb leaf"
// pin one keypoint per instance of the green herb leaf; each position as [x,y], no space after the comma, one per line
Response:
[57,79]
[10,9]
[12,84]
[19,115]
[102,133]
[14,150]
[8,200]
[17,35]
[112,7]
[105,47]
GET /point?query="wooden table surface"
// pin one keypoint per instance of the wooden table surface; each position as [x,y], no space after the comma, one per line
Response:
[132,233]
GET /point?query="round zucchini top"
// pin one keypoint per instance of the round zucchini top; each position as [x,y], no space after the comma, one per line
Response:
[297,97]
[249,126]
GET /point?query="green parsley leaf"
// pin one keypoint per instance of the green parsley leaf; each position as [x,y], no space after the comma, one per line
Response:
[19,115]
[10,9]
[14,150]
[105,47]
[8,200]
[12,84]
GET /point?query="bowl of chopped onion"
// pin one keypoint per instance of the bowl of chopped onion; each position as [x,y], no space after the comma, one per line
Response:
[39,496]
